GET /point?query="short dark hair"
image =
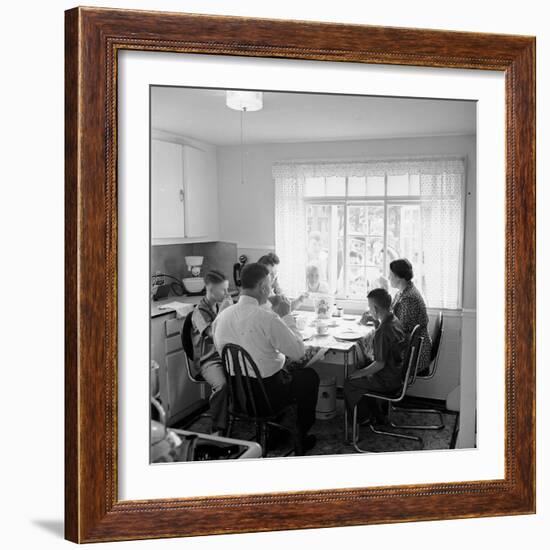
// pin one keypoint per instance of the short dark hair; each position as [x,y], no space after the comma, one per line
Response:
[269,259]
[214,277]
[402,268]
[381,297]
[252,274]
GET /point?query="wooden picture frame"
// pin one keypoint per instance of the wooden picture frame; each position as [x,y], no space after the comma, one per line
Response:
[94,36]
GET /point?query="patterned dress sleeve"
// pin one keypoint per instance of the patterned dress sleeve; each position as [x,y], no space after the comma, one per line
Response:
[407,312]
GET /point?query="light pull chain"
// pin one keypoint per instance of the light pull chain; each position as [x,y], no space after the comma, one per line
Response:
[242,144]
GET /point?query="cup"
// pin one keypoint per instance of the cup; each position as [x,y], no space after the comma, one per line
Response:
[301,322]
[322,329]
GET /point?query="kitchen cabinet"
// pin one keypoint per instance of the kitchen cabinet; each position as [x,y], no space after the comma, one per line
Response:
[179,396]
[167,191]
[184,193]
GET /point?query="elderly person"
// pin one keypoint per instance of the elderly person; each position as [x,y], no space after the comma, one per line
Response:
[409,307]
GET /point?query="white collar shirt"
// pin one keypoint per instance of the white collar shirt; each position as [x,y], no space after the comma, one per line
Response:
[267,337]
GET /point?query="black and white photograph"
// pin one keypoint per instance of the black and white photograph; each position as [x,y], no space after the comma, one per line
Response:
[312,274]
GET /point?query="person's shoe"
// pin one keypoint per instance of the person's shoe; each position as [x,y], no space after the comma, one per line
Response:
[309,442]
[276,438]
[306,444]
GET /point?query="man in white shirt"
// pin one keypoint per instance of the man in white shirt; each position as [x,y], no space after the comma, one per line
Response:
[269,338]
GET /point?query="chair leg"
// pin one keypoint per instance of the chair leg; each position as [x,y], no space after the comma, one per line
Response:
[439,426]
[229,426]
[263,438]
[397,435]
[355,433]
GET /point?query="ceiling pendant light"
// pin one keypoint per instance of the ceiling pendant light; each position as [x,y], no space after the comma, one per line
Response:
[243,101]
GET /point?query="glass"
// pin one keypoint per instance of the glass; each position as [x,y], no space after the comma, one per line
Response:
[357,186]
[314,187]
[365,248]
[398,185]
[357,284]
[375,186]
[370,186]
[335,186]
[325,246]
[405,238]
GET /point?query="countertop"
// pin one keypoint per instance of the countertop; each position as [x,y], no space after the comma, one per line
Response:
[156,312]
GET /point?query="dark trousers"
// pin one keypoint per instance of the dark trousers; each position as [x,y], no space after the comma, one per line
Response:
[283,388]
[214,374]
[369,407]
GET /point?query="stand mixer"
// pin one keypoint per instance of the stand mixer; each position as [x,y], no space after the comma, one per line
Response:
[195,283]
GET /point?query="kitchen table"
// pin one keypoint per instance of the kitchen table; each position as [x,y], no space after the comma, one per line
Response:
[342,335]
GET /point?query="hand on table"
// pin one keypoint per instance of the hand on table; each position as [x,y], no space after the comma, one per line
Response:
[281,306]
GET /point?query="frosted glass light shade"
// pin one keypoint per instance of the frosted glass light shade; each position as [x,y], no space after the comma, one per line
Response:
[251,101]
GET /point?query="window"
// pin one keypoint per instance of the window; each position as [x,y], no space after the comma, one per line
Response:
[351,220]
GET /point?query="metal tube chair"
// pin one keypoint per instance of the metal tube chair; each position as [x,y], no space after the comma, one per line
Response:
[187,346]
[411,360]
[248,399]
[434,362]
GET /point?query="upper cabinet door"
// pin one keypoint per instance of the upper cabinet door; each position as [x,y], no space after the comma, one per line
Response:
[167,190]
[199,197]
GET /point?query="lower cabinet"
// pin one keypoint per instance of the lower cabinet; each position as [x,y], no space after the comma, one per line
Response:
[180,396]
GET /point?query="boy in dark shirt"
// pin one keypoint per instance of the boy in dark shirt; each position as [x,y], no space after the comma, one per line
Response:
[385,373]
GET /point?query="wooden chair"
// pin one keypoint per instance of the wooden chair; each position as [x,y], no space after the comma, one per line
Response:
[248,399]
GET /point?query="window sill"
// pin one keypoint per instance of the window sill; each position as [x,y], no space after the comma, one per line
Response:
[357,307]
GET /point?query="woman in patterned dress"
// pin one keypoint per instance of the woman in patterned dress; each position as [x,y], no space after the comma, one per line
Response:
[409,307]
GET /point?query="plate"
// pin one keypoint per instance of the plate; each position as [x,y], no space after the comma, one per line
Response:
[349,336]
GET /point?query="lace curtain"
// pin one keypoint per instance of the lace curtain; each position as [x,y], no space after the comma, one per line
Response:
[290,231]
[441,198]
[441,207]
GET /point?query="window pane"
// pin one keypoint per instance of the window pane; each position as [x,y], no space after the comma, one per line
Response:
[314,187]
[357,287]
[325,238]
[398,185]
[375,186]
[357,186]
[365,246]
[405,239]
[335,186]
[370,186]
[366,219]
